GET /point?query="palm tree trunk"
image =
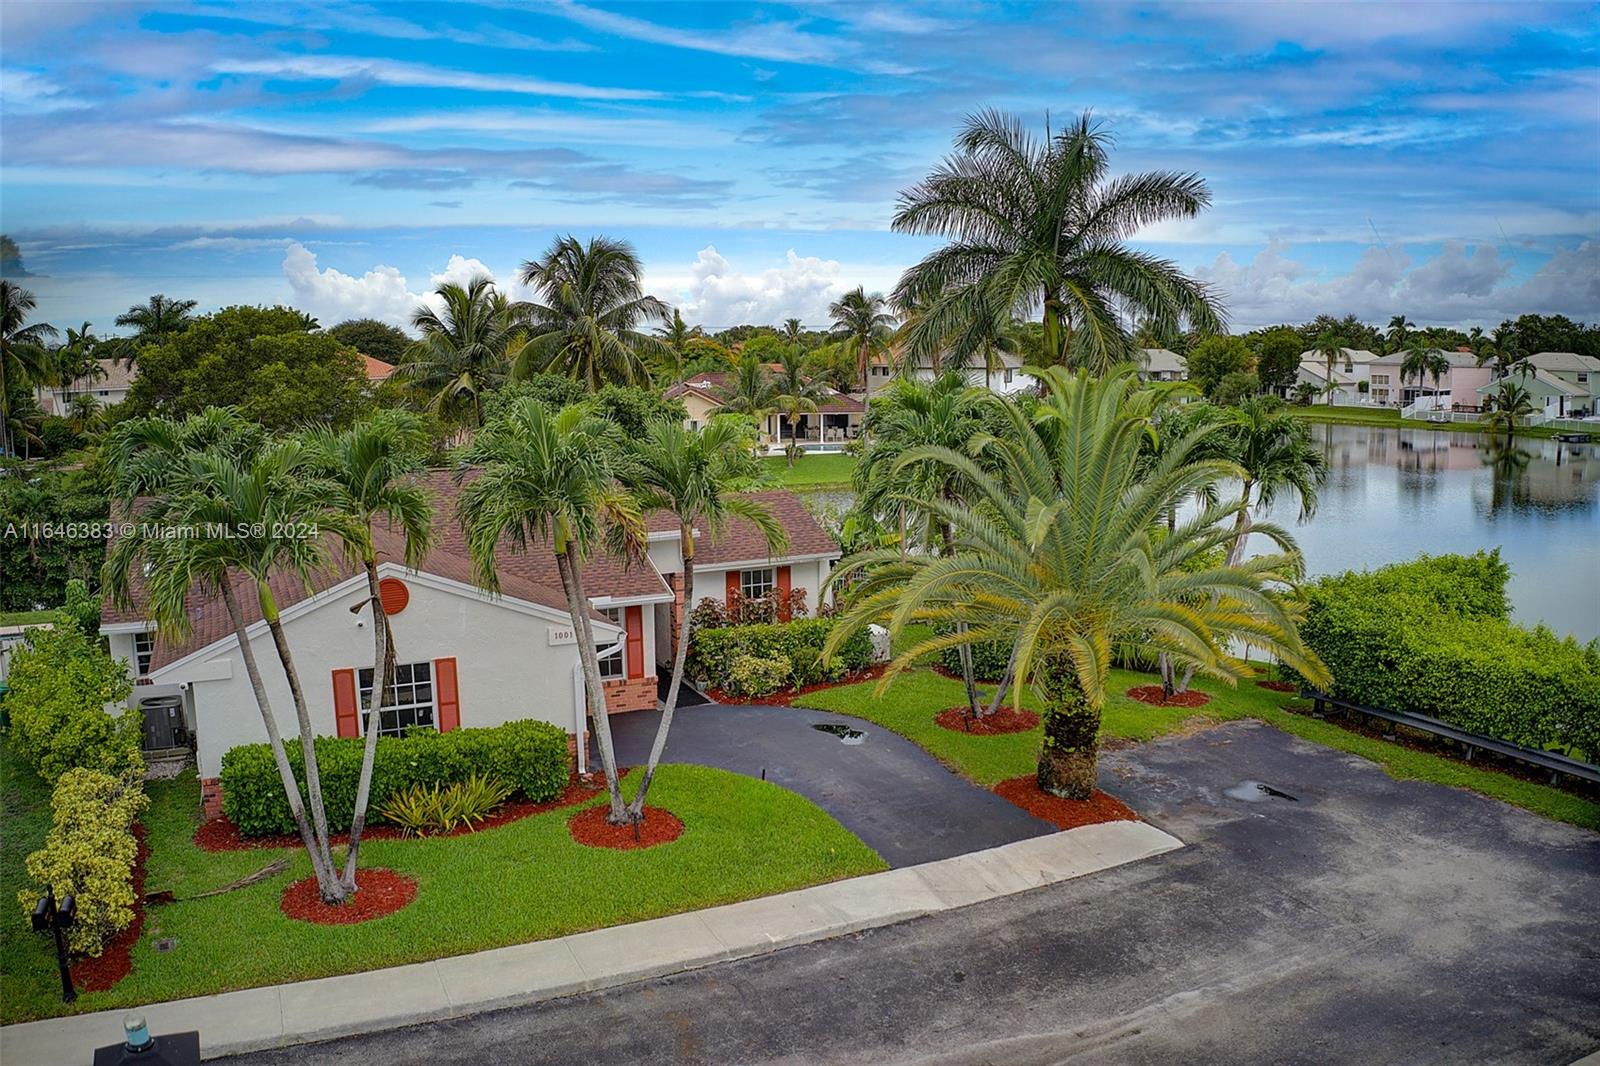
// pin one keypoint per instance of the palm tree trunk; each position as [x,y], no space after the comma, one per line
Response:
[1003,687]
[963,651]
[291,788]
[1067,762]
[680,656]
[1241,537]
[578,607]
[383,658]
[866,378]
[330,888]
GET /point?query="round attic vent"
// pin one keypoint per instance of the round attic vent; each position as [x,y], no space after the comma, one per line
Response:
[394,595]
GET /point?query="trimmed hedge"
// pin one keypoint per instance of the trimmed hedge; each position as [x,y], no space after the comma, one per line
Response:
[989,660]
[90,853]
[715,653]
[1432,637]
[529,755]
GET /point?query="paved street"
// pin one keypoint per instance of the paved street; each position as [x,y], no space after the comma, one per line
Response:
[1368,920]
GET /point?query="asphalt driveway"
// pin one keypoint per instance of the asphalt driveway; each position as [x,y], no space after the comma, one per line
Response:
[1368,920]
[886,790]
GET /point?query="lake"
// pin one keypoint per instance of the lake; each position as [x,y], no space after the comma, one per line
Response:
[1393,494]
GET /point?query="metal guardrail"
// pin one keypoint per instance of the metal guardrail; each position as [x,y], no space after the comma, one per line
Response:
[1557,765]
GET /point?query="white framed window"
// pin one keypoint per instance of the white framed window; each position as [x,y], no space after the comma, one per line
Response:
[144,649]
[407,701]
[1008,375]
[611,666]
[756,583]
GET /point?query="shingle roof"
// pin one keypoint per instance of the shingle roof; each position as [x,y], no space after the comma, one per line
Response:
[742,542]
[1161,361]
[377,369]
[529,576]
[1567,361]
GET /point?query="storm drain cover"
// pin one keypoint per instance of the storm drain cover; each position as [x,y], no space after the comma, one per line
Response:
[845,734]
[1256,792]
[166,944]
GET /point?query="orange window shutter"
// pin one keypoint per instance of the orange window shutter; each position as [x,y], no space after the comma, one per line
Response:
[784,584]
[346,713]
[447,694]
[733,585]
[634,620]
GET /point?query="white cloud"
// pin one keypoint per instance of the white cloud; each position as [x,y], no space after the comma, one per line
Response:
[719,296]
[333,296]
[397,72]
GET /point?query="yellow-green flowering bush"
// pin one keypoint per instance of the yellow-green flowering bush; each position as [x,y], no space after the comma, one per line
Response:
[90,853]
[61,684]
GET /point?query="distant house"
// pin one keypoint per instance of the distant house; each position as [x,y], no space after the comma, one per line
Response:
[466,657]
[1457,389]
[1350,373]
[1559,384]
[836,421]
[377,369]
[108,387]
[1162,364]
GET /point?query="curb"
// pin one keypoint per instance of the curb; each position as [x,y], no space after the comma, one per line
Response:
[304,1012]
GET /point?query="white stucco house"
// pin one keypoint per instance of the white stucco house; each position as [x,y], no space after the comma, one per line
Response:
[109,385]
[1351,377]
[465,657]
[1162,364]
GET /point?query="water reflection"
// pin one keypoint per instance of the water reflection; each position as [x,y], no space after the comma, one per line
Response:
[1392,494]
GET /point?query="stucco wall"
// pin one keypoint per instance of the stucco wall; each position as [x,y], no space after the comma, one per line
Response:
[508,668]
[712,580]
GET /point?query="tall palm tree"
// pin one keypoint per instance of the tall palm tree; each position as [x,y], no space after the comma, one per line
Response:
[369,474]
[213,471]
[696,475]
[1038,228]
[1424,359]
[909,416]
[793,332]
[751,392]
[794,395]
[1504,348]
[675,337]
[865,328]
[153,322]
[549,478]
[1398,334]
[1505,407]
[1331,348]
[83,409]
[1062,554]
[586,322]
[76,359]
[24,360]
[462,353]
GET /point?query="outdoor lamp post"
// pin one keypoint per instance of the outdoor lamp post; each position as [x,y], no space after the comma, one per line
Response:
[58,918]
[139,1047]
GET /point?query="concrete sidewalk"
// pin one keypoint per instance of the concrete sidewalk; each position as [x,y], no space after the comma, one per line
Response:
[283,1015]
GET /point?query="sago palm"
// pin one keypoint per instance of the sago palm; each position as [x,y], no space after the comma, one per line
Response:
[548,481]
[369,475]
[1061,553]
[462,353]
[695,475]
[588,318]
[1037,228]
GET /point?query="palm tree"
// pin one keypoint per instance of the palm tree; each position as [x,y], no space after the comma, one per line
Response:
[1331,350]
[1036,227]
[76,359]
[24,360]
[1504,348]
[462,353]
[911,415]
[550,479]
[794,396]
[214,472]
[1398,333]
[153,322]
[793,332]
[83,409]
[1061,554]
[695,475]
[751,392]
[369,472]
[588,323]
[675,338]
[1305,393]
[860,322]
[1506,406]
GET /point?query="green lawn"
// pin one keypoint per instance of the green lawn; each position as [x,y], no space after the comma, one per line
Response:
[524,881]
[831,470]
[911,701]
[27,618]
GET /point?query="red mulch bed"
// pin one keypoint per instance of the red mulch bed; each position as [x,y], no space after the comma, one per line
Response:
[786,697]
[220,834]
[1004,720]
[116,960]
[1156,696]
[379,892]
[1279,686]
[591,829]
[1024,791]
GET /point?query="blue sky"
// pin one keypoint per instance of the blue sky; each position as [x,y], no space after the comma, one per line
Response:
[1439,160]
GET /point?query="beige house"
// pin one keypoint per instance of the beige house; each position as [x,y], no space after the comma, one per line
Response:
[835,422]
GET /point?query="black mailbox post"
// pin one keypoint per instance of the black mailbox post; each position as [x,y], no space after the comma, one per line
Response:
[58,918]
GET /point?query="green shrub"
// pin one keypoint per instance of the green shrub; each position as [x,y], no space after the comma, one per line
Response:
[529,756]
[752,676]
[798,644]
[61,683]
[1431,637]
[422,809]
[989,660]
[90,853]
